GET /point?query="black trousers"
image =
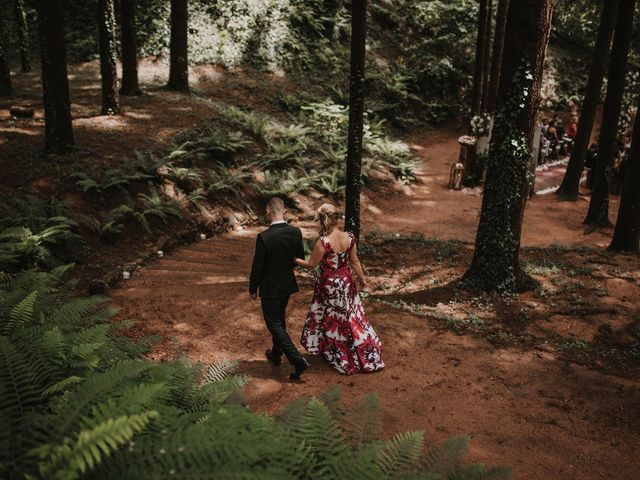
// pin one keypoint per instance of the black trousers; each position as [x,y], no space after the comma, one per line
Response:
[273,310]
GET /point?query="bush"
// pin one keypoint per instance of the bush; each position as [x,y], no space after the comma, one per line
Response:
[77,400]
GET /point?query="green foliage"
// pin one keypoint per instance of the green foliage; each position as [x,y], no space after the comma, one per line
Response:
[113,179]
[78,401]
[34,232]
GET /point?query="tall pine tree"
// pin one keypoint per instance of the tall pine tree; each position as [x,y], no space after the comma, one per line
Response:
[626,235]
[356,116]
[23,35]
[569,188]
[496,262]
[108,58]
[179,55]
[55,83]
[598,214]
[129,50]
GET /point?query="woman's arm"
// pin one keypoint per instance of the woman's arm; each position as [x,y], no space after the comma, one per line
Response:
[314,259]
[357,266]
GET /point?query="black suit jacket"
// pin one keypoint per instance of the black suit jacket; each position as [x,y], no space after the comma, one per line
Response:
[272,269]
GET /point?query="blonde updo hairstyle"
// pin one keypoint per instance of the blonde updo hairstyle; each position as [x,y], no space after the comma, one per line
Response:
[328,216]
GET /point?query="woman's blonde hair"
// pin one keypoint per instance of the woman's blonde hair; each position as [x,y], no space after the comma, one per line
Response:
[328,215]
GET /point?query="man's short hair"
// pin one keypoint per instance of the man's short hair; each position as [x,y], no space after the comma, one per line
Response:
[275,205]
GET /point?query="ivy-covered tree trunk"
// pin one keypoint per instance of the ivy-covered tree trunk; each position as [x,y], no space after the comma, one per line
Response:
[179,60]
[108,58]
[598,213]
[570,186]
[626,235]
[129,51]
[6,85]
[496,263]
[496,55]
[479,68]
[23,35]
[487,59]
[55,83]
[356,116]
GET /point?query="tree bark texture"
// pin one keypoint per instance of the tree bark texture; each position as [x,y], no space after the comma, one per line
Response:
[496,55]
[626,235]
[487,59]
[496,263]
[23,35]
[108,59]
[356,116]
[179,59]
[598,213]
[570,186]
[130,84]
[6,84]
[481,41]
[55,83]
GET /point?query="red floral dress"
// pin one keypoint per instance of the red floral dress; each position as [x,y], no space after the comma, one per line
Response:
[336,325]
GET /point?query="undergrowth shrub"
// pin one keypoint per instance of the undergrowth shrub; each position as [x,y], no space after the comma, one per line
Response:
[78,400]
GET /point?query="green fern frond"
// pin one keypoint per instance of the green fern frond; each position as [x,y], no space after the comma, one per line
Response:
[61,386]
[401,453]
[91,446]
[22,314]
[445,457]
[216,372]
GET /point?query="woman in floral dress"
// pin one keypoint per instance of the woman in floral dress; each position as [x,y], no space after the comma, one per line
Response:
[336,325]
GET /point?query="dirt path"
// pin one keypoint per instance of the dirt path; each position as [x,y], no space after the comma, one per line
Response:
[546,418]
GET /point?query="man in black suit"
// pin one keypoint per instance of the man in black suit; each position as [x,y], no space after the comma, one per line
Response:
[272,275]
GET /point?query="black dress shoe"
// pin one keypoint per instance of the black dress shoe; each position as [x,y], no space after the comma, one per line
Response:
[300,367]
[273,359]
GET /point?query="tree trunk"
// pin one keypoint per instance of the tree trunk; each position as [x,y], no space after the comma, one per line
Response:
[487,59]
[129,51]
[55,84]
[108,59]
[23,36]
[626,235]
[356,116]
[570,185]
[496,57]
[598,214]
[478,74]
[496,263]
[6,85]
[179,68]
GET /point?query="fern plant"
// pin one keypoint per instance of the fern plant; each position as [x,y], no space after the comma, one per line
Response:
[77,400]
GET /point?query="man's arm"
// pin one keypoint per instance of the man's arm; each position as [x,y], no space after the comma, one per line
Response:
[300,252]
[257,267]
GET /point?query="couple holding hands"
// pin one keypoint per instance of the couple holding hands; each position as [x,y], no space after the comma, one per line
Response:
[336,326]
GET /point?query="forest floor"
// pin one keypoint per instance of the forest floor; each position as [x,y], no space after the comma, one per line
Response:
[546,382]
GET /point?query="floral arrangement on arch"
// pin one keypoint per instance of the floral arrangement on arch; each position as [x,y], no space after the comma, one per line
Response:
[480,124]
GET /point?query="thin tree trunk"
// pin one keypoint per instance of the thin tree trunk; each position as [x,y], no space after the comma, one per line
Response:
[570,186]
[23,35]
[55,83]
[179,68]
[129,51]
[6,85]
[108,59]
[356,116]
[487,59]
[496,263]
[626,235]
[478,74]
[598,214]
[496,57]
